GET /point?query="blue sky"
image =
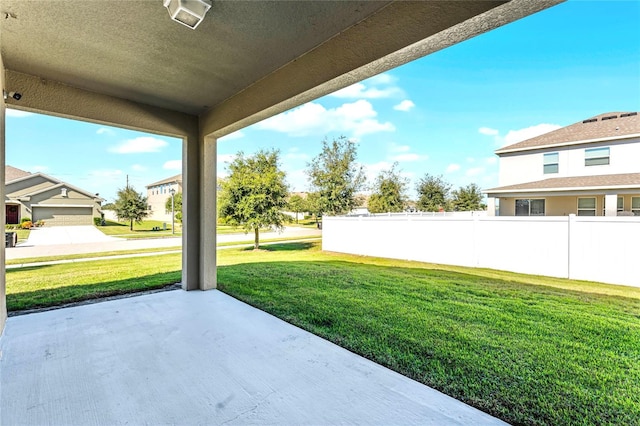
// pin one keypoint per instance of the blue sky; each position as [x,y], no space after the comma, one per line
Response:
[444,114]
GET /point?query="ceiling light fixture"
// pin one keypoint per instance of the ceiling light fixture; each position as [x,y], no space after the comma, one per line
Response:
[188,12]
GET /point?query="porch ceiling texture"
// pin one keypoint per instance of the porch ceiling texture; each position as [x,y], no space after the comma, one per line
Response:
[246,61]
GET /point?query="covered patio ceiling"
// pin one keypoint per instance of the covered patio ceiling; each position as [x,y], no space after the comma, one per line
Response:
[246,61]
[127,64]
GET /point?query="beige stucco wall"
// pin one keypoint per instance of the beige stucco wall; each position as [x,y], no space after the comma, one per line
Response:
[563,205]
[29,185]
[157,201]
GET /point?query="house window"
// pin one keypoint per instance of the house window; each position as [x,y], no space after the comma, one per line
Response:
[550,163]
[529,207]
[587,206]
[635,206]
[63,192]
[596,156]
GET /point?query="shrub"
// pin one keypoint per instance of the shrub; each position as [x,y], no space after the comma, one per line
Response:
[40,223]
[97,221]
[25,219]
[26,224]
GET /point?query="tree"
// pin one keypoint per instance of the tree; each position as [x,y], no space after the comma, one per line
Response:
[336,177]
[389,192]
[177,206]
[433,193]
[254,194]
[130,205]
[467,198]
[313,205]
[297,204]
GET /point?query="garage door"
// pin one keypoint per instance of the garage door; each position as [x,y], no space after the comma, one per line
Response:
[61,216]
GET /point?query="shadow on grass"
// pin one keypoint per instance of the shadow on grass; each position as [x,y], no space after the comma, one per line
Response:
[297,246]
[76,293]
[10,271]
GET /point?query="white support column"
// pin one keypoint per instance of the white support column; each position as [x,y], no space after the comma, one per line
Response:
[491,206]
[3,281]
[191,234]
[611,204]
[208,215]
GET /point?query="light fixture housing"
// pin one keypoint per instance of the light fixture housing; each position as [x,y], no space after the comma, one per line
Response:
[189,13]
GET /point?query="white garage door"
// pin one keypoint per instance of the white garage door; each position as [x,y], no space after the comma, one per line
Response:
[61,216]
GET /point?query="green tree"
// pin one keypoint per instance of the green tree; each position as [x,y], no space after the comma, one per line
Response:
[389,192]
[433,193]
[313,205]
[177,206]
[130,205]
[297,204]
[336,177]
[254,194]
[467,198]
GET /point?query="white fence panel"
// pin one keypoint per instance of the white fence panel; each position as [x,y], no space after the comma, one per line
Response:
[606,250]
[600,249]
[527,245]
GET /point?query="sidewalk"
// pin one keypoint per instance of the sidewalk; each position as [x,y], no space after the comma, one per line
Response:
[24,251]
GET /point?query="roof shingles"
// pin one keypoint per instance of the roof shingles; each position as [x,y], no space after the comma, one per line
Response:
[575,182]
[603,126]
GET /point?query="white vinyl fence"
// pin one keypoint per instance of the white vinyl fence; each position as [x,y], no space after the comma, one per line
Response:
[603,249]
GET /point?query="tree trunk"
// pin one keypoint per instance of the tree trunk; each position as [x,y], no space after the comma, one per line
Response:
[131,224]
[296,218]
[256,241]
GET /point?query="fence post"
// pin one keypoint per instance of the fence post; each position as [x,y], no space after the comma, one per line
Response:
[570,221]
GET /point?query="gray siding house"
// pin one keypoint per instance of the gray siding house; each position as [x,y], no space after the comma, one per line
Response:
[41,197]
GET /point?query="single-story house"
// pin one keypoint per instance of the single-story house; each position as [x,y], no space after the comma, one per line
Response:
[41,197]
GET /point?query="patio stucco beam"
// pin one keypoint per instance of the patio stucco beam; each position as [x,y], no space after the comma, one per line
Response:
[397,34]
[61,100]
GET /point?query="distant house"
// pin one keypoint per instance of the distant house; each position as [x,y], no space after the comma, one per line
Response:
[41,197]
[590,168]
[157,195]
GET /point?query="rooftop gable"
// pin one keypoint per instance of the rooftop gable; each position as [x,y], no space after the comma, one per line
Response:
[172,179]
[606,126]
[13,173]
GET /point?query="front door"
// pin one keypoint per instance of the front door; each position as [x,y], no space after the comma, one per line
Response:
[12,215]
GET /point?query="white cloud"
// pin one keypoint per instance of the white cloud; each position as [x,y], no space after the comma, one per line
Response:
[172,165]
[409,156]
[474,171]
[105,131]
[297,180]
[470,160]
[139,145]
[296,156]
[231,136]
[139,168]
[451,168]
[16,113]
[488,131]
[357,118]
[383,78]
[226,158]
[491,160]
[405,105]
[515,136]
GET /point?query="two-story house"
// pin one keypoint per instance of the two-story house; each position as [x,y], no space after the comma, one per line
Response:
[157,195]
[590,168]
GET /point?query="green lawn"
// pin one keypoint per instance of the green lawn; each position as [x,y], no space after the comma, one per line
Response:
[527,349]
[141,230]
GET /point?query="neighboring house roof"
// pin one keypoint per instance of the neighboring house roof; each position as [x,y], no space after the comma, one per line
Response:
[172,179]
[12,173]
[603,127]
[56,183]
[618,181]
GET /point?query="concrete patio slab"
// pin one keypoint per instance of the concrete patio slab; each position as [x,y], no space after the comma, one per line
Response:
[198,358]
